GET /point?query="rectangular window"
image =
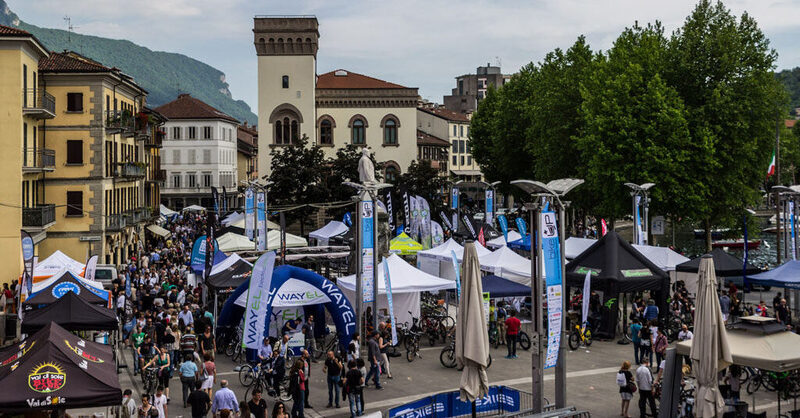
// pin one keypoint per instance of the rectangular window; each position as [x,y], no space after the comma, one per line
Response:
[455,160]
[468,148]
[469,160]
[74,203]
[191,180]
[25,144]
[285,81]
[455,146]
[176,156]
[206,132]
[176,180]
[192,157]
[454,130]
[74,102]
[206,179]
[462,160]
[74,152]
[192,133]
[460,131]
[176,132]
[108,103]
[206,157]
[461,147]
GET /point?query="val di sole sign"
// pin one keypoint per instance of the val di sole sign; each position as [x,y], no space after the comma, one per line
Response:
[47,378]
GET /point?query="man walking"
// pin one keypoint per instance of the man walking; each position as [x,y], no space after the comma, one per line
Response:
[224,399]
[636,339]
[374,354]
[512,332]
[644,378]
[200,402]
[333,368]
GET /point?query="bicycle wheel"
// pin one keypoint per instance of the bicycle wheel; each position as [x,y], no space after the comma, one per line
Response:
[574,341]
[448,322]
[410,355]
[407,342]
[246,375]
[448,357]
[489,362]
[432,337]
[230,349]
[493,339]
[587,338]
[524,341]
[285,395]
[753,384]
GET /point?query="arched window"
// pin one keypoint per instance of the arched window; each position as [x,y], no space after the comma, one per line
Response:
[285,81]
[287,120]
[390,132]
[295,131]
[359,132]
[391,173]
[326,132]
[278,132]
[287,135]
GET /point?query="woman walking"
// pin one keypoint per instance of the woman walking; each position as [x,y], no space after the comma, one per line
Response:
[625,391]
[297,388]
[164,368]
[660,347]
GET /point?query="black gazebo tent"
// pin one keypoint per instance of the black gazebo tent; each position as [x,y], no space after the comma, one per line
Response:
[725,265]
[616,267]
[65,283]
[233,276]
[55,369]
[73,314]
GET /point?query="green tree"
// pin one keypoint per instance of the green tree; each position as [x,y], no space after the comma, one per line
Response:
[344,167]
[423,180]
[297,179]
[722,68]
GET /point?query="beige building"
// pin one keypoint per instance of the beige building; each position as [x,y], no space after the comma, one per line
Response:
[247,152]
[454,127]
[333,109]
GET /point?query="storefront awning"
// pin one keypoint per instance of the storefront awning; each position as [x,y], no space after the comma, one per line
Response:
[158,230]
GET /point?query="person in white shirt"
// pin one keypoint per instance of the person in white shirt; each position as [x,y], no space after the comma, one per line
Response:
[685,334]
[128,403]
[644,378]
[186,316]
[160,403]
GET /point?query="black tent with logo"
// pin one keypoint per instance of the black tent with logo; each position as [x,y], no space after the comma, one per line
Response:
[616,267]
[65,283]
[232,276]
[72,313]
[55,369]
[725,265]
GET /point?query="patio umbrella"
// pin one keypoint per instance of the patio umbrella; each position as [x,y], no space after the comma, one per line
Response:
[472,336]
[710,349]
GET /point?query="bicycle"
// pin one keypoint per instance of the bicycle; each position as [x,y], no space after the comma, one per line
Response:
[262,382]
[580,336]
[150,380]
[325,344]
[448,356]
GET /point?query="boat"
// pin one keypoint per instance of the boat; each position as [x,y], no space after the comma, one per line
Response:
[737,243]
[715,233]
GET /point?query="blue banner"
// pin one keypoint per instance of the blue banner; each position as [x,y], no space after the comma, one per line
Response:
[489,210]
[347,219]
[791,223]
[454,257]
[388,281]
[448,404]
[261,221]
[501,219]
[198,261]
[367,249]
[521,226]
[551,253]
[127,285]
[638,222]
[249,213]
[454,199]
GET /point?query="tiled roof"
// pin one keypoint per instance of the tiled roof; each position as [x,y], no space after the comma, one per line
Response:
[187,107]
[71,62]
[343,79]
[428,139]
[790,122]
[445,114]
[12,31]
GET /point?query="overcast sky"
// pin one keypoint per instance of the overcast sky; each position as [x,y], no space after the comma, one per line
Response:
[416,43]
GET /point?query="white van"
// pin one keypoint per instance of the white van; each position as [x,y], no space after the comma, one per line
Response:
[105,274]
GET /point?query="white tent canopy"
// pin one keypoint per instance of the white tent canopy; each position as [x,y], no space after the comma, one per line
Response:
[43,284]
[330,230]
[227,262]
[165,211]
[407,283]
[194,208]
[438,261]
[231,218]
[239,223]
[663,257]
[229,242]
[274,240]
[574,246]
[504,262]
[57,262]
[162,232]
[501,240]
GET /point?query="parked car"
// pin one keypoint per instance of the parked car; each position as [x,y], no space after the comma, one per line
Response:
[106,274]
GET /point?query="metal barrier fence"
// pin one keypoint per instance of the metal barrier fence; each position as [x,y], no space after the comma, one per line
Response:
[525,404]
[551,412]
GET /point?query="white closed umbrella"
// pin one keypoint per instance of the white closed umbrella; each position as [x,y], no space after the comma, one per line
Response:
[710,350]
[472,336]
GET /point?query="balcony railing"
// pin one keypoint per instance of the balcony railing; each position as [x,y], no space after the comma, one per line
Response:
[38,103]
[130,170]
[38,159]
[38,217]
[159,176]
[120,122]
[157,140]
[115,222]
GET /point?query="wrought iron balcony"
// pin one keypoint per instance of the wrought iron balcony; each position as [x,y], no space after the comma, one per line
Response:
[38,104]
[157,140]
[120,122]
[41,216]
[38,159]
[116,222]
[130,170]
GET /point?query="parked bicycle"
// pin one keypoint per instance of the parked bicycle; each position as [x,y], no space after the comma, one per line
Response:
[448,356]
[580,335]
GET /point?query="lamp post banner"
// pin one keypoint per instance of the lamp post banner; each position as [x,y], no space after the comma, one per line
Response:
[454,198]
[366,210]
[261,224]
[249,213]
[501,219]
[638,216]
[489,218]
[791,223]
[388,282]
[551,252]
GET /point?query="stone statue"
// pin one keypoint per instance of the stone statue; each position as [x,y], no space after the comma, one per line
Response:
[366,170]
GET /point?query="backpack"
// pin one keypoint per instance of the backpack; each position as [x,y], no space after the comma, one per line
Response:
[621,380]
[126,413]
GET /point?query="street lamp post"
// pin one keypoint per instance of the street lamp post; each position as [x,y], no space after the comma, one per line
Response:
[641,191]
[553,190]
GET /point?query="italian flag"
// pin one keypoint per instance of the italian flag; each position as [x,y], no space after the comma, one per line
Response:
[771,168]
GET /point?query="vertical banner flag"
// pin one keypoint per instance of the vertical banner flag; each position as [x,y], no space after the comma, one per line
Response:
[127,285]
[455,221]
[745,249]
[283,238]
[638,221]
[501,219]
[522,226]
[91,268]
[489,218]
[215,198]
[445,220]
[199,252]
[261,223]
[224,200]
[258,295]
[603,227]
[388,281]
[406,211]
[551,253]
[454,198]
[414,202]
[211,246]
[481,237]
[249,213]
[454,258]
[425,222]
[470,228]
[791,224]
[347,219]
[437,234]
[587,292]
[771,168]
[390,208]
[367,248]
[27,260]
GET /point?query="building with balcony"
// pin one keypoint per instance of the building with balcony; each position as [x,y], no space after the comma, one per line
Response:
[101,163]
[154,174]
[472,88]
[333,109]
[247,152]
[25,107]
[199,152]
[443,123]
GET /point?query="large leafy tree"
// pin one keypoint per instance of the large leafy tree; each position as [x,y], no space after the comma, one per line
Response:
[423,180]
[722,67]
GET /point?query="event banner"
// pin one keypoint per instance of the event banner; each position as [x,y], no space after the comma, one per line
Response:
[551,253]
[468,223]
[261,223]
[638,219]
[27,260]
[489,211]
[791,224]
[215,198]
[91,268]
[257,295]
[449,404]
[282,218]
[388,282]
[437,234]
[425,223]
[199,252]
[211,245]
[367,249]
[446,220]
[454,257]
[347,219]
[390,208]
[416,219]
[406,211]
[521,226]
[501,219]
[249,213]
[454,198]
[587,290]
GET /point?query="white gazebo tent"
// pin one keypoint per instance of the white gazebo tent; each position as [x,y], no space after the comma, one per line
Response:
[274,240]
[504,262]
[438,261]
[240,223]
[57,262]
[44,283]
[407,283]
[230,242]
[330,230]
[165,211]
[231,218]
[194,208]
[501,240]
